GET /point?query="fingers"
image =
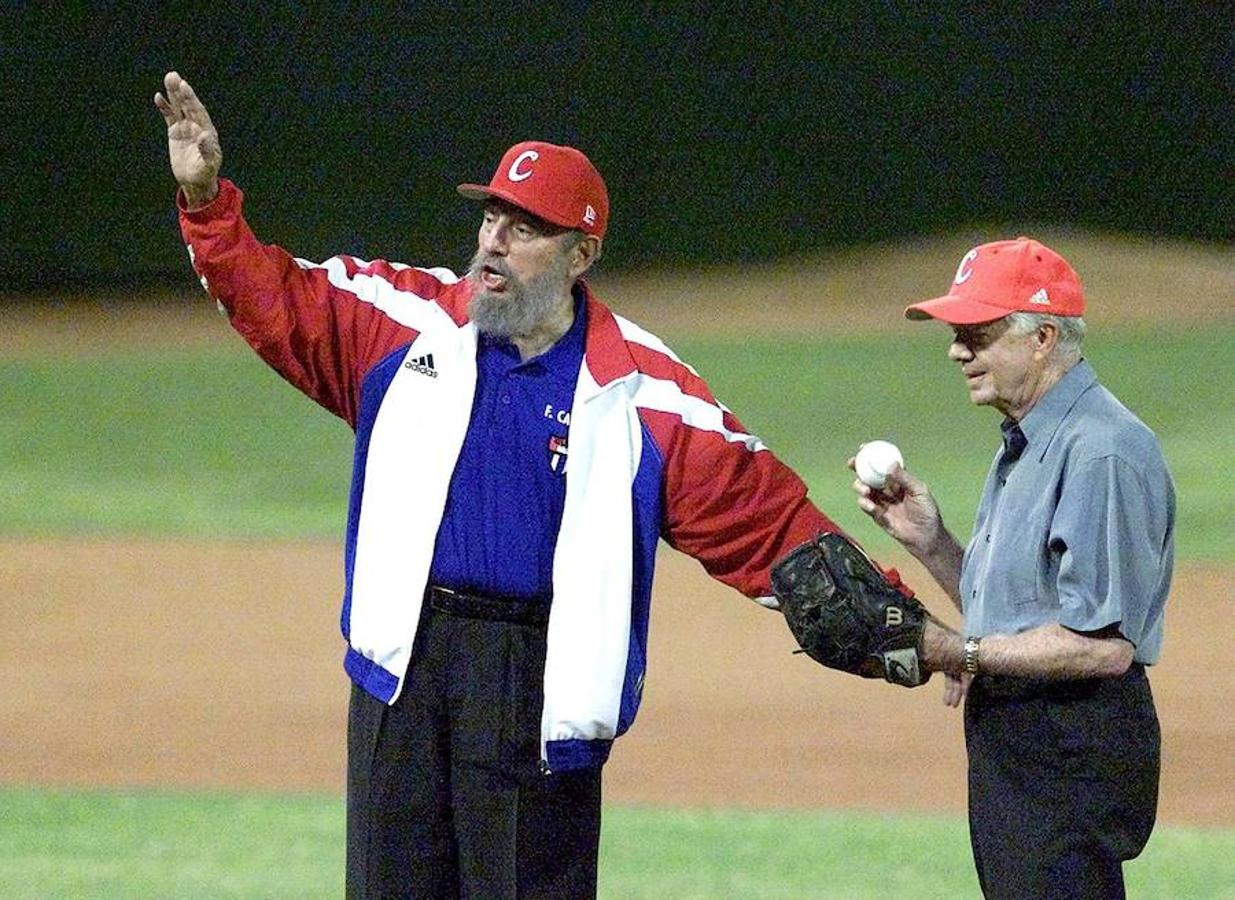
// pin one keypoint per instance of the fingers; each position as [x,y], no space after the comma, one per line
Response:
[169,105]
[181,102]
[955,687]
[874,503]
[165,108]
[193,108]
[899,477]
[904,482]
[866,500]
[877,502]
[881,497]
[952,692]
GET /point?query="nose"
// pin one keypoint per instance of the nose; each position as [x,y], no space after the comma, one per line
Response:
[958,351]
[494,236]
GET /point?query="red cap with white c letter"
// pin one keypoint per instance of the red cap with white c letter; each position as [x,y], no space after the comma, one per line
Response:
[1004,277]
[558,184]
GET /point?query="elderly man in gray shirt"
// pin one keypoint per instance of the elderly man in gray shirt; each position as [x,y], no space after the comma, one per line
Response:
[1062,586]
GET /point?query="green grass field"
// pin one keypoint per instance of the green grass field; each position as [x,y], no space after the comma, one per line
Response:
[167,844]
[211,443]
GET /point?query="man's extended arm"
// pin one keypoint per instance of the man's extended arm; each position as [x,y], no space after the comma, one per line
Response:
[307,321]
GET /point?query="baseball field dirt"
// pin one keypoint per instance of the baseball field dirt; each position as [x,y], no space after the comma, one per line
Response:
[217,664]
[142,662]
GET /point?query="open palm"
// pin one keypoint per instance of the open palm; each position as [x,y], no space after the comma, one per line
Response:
[192,140]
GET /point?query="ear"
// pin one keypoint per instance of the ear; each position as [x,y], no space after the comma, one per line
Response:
[1045,339]
[583,255]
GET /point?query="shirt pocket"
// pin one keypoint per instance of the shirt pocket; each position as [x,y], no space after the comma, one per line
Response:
[1020,559]
[1022,590]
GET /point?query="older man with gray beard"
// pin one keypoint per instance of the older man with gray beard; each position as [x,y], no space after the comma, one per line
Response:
[515,309]
[520,450]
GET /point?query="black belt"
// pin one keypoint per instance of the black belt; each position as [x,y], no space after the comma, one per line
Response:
[491,609]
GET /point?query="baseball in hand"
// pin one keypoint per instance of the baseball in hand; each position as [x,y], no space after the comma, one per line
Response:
[874,460]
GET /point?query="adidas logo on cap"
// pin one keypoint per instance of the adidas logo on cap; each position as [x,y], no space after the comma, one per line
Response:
[1040,297]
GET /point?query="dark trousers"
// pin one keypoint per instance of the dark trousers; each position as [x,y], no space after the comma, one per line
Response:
[1063,783]
[445,797]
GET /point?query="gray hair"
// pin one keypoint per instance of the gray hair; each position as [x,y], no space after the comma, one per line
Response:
[1071,331]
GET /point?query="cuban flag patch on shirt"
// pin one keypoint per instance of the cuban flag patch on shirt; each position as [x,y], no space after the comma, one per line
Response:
[557,454]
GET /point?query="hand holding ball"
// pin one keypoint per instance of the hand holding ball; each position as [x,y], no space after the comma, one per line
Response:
[874,460]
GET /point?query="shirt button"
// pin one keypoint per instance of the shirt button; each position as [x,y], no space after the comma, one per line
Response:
[988,538]
[506,399]
[973,593]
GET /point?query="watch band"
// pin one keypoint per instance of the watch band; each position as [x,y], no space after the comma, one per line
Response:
[970,662]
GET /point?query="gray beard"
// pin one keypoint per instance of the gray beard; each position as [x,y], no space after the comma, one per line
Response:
[523,306]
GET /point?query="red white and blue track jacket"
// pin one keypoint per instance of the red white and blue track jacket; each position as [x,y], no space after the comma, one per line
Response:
[652,455]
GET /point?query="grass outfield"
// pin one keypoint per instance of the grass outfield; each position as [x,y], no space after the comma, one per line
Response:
[213,443]
[106,844]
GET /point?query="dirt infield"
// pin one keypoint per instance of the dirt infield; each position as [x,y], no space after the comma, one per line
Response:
[218,665]
[145,662]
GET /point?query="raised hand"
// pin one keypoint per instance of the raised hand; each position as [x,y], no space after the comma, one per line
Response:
[192,141]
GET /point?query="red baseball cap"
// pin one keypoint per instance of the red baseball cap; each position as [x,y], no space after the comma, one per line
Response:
[558,184]
[1004,277]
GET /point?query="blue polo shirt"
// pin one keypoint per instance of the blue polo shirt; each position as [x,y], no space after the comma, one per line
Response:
[1076,522]
[504,506]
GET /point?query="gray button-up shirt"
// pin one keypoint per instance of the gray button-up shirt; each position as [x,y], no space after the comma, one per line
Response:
[1079,529]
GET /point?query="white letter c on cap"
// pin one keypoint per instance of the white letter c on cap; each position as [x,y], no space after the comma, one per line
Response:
[962,274]
[513,173]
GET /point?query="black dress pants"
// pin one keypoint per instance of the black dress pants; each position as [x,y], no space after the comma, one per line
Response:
[445,797]
[1063,783]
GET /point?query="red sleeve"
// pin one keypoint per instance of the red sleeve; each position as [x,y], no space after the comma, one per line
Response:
[736,509]
[320,337]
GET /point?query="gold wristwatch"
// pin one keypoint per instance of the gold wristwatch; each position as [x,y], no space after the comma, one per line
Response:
[970,662]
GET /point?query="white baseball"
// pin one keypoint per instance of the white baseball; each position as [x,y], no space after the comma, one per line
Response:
[874,460]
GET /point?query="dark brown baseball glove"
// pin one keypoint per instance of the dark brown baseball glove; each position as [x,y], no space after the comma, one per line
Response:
[845,614]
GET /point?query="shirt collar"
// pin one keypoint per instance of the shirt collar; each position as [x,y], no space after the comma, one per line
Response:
[1043,420]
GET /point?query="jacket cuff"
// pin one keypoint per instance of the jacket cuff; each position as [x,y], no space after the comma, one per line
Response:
[224,202]
[574,754]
